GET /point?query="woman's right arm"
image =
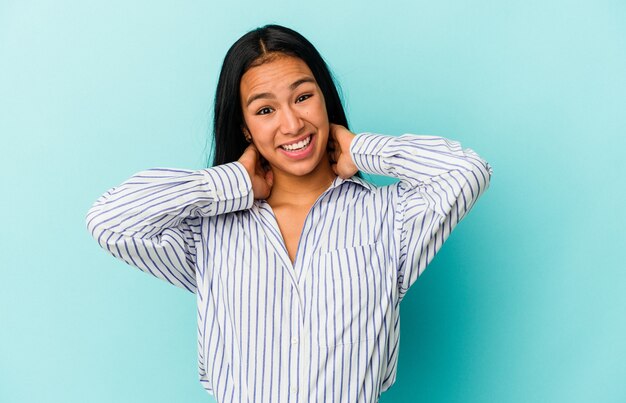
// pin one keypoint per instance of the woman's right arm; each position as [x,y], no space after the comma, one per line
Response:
[143,220]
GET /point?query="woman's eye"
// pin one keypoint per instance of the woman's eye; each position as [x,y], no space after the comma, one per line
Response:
[303,97]
[264,111]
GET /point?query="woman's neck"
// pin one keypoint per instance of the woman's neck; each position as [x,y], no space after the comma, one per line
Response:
[301,190]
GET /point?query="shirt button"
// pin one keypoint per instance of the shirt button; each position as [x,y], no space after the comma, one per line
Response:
[294,389]
[294,340]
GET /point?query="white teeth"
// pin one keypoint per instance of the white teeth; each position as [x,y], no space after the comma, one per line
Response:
[297,146]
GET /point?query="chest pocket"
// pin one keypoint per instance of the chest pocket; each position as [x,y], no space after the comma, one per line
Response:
[350,290]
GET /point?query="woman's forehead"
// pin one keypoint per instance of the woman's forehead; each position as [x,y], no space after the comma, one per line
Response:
[278,73]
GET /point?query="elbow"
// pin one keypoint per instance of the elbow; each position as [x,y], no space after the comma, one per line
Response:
[480,171]
[95,219]
[91,221]
[483,173]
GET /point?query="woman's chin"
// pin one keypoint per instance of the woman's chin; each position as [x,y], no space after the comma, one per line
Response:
[304,168]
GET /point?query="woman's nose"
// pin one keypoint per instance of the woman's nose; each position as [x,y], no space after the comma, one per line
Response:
[291,123]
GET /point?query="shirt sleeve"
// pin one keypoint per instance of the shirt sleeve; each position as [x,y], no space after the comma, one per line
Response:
[439,184]
[144,222]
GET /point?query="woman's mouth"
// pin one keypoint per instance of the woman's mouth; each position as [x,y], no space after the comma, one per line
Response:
[299,150]
[299,146]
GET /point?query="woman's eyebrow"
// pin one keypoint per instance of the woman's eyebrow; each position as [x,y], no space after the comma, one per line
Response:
[301,81]
[269,95]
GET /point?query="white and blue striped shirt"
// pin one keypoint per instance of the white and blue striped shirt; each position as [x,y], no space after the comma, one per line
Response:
[327,327]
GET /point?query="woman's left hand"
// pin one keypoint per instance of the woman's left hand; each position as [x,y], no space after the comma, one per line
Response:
[339,142]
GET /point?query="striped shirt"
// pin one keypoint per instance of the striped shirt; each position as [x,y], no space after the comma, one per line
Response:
[325,328]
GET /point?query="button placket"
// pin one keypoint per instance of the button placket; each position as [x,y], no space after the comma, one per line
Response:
[296,361]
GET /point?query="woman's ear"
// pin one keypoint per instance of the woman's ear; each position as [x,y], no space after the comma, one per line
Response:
[246,134]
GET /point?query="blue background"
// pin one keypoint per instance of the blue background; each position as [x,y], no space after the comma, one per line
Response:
[526,302]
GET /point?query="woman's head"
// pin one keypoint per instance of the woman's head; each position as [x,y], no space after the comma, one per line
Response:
[271,45]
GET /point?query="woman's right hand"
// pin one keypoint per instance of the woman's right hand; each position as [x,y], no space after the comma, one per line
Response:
[262,179]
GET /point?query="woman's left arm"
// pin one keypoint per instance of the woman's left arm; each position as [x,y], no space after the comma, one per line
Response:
[439,183]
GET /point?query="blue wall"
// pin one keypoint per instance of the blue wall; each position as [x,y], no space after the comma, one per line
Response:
[525,302]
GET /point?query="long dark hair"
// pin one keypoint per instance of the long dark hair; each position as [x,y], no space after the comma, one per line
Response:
[252,49]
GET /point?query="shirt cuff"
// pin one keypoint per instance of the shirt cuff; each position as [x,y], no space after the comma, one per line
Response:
[366,151]
[230,183]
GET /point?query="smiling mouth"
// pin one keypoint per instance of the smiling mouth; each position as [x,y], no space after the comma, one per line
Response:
[299,146]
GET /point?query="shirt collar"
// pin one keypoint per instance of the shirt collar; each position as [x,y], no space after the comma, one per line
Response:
[354,179]
[338,181]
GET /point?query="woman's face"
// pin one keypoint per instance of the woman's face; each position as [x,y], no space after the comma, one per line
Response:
[285,113]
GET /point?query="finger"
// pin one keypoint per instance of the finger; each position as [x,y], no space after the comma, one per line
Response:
[252,151]
[335,128]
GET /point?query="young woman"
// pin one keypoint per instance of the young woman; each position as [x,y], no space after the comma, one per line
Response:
[299,265]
